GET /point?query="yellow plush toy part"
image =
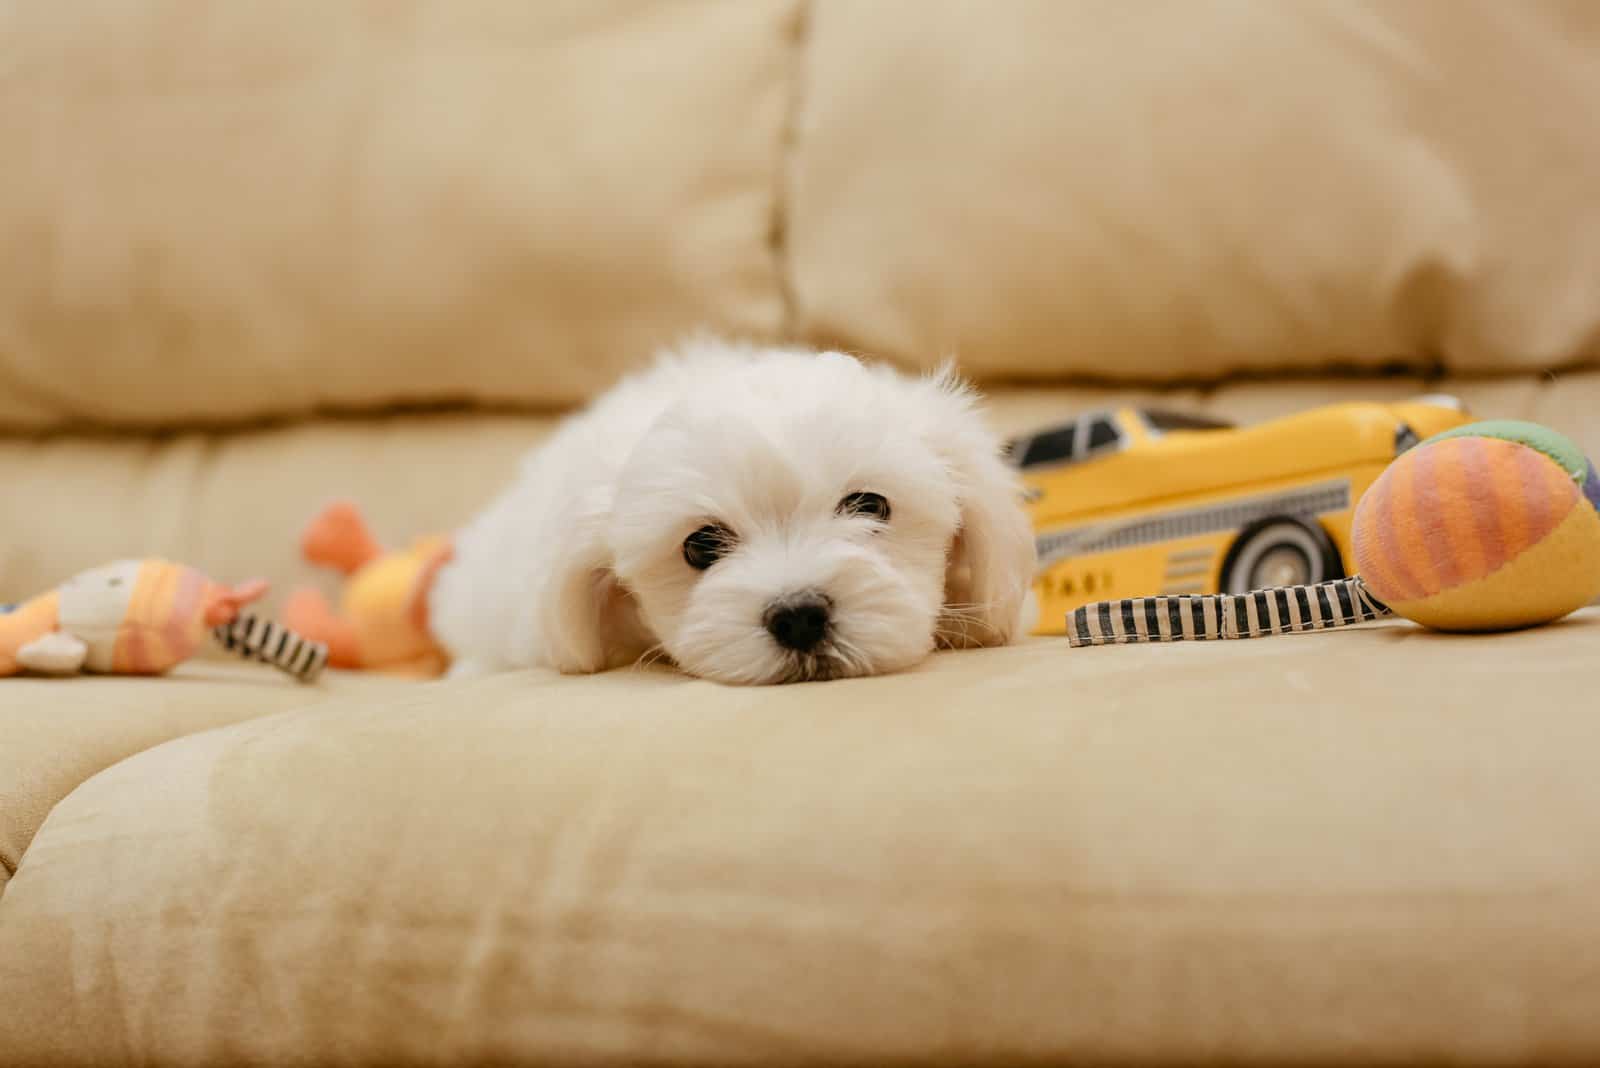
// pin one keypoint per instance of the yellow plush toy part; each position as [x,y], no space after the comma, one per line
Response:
[381,623]
[1490,526]
[144,617]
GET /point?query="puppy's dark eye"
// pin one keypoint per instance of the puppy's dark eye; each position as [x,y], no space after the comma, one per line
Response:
[867,505]
[707,545]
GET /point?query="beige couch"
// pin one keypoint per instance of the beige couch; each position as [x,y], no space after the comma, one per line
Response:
[257,255]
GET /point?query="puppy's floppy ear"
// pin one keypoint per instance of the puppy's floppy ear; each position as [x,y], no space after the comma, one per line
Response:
[591,621]
[992,559]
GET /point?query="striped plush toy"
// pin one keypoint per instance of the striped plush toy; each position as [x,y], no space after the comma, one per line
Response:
[144,617]
[1490,526]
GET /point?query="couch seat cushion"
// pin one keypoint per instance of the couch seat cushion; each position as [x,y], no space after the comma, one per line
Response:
[1376,845]
[55,733]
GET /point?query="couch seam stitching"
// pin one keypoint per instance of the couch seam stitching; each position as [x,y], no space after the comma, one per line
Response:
[799,36]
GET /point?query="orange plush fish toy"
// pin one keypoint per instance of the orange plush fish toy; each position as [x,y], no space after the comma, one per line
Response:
[381,623]
[144,617]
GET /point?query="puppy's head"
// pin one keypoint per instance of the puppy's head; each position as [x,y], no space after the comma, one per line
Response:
[806,517]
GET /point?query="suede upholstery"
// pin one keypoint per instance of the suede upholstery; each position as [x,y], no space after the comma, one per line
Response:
[256,256]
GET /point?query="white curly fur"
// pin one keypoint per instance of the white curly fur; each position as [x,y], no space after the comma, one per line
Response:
[579,565]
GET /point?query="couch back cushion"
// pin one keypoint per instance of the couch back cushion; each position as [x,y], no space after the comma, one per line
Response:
[216,212]
[1179,190]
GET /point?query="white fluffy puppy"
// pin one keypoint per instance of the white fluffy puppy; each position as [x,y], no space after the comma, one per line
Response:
[760,515]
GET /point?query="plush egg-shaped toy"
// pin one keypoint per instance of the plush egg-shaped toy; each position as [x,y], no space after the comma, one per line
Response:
[1490,526]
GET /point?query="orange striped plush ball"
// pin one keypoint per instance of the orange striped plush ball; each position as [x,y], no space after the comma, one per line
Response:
[1489,526]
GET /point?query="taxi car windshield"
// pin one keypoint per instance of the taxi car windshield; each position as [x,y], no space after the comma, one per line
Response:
[1164,421]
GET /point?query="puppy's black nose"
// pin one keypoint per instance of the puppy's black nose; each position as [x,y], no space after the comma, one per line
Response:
[798,622]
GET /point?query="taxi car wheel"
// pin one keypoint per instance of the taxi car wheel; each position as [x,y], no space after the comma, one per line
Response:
[1281,551]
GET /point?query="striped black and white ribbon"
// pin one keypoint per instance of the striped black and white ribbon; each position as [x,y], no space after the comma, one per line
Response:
[1212,617]
[272,643]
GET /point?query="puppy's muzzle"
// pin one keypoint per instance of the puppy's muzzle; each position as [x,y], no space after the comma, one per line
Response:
[799,621]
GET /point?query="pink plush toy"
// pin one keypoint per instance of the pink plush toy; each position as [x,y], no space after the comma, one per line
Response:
[144,617]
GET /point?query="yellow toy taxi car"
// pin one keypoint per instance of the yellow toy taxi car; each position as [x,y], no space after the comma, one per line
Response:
[1134,502]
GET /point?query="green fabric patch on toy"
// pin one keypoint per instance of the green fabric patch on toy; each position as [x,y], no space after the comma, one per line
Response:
[1560,448]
